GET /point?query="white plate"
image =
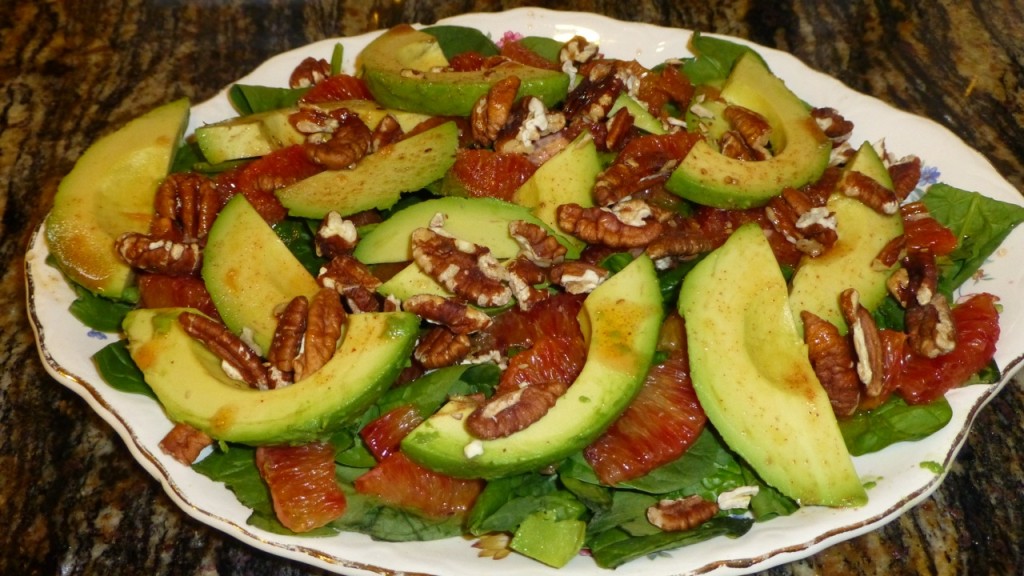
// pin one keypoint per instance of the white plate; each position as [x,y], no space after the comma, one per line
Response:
[900,481]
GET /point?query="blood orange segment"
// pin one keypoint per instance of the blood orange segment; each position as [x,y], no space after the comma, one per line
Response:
[163,291]
[302,484]
[518,52]
[384,433]
[556,315]
[659,426]
[923,232]
[485,173]
[549,360]
[923,380]
[258,179]
[401,482]
[337,88]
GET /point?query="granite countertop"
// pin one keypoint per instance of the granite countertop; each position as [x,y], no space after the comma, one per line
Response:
[73,500]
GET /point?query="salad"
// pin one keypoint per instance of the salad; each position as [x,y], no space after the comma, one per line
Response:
[606,496]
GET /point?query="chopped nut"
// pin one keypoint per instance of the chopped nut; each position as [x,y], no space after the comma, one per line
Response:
[388,131]
[682,241]
[335,236]
[536,244]
[186,204]
[578,277]
[287,342]
[753,129]
[870,193]
[309,72]
[930,329]
[681,514]
[492,111]
[523,276]
[811,228]
[184,443]
[342,147]
[832,123]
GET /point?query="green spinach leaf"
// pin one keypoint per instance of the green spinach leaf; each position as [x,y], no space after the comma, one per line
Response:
[97,312]
[455,40]
[117,369]
[894,421]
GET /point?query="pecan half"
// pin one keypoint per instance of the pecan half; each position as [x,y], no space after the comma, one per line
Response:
[324,325]
[536,244]
[905,175]
[493,110]
[458,316]
[239,360]
[509,412]
[811,228]
[683,240]
[578,277]
[619,128]
[465,269]
[867,342]
[593,98]
[832,360]
[869,192]
[440,347]
[286,345]
[353,280]
[930,329]
[682,513]
[186,204]
[753,130]
[629,228]
[161,256]
[388,131]
[342,147]
[523,276]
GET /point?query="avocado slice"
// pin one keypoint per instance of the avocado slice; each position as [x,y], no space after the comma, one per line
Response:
[862,233]
[801,149]
[109,192]
[379,179]
[259,134]
[752,375]
[192,387]
[406,69]
[482,221]
[621,318]
[250,273]
[568,177]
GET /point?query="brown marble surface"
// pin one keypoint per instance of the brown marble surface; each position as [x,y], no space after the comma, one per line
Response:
[72,499]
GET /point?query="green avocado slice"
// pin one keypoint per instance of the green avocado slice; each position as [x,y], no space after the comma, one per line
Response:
[622,317]
[192,387]
[801,149]
[110,192]
[406,69]
[752,375]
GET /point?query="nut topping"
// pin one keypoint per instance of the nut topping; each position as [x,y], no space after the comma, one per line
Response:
[536,244]
[237,358]
[457,316]
[465,269]
[866,341]
[509,412]
[323,329]
[492,111]
[606,226]
[161,256]
[832,360]
[682,513]
[440,347]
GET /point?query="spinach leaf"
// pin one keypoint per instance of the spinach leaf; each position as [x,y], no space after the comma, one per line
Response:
[299,237]
[117,369]
[894,421]
[614,548]
[254,99]
[714,59]
[455,40]
[186,157]
[981,223]
[506,502]
[97,312]
[367,515]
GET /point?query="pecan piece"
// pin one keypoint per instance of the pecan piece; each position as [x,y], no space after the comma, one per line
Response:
[184,443]
[309,72]
[465,269]
[536,244]
[812,229]
[832,360]
[440,347]
[682,513]
[335,236]
[890,254]
[353,280]
[753,130]
[237,358]
[917,281]
[186,204]
[493,110]
[324,325]
[578,277]
[342,147]
[506,413]
[286,345]
[905,175]
[523,276]
[160,256]
[593,98]
[625,226]
[388,131]
[930,329]
[833,124]
[869,192]
[458,316]
[578,50]
[867,343]
[619,128]
[683,240]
